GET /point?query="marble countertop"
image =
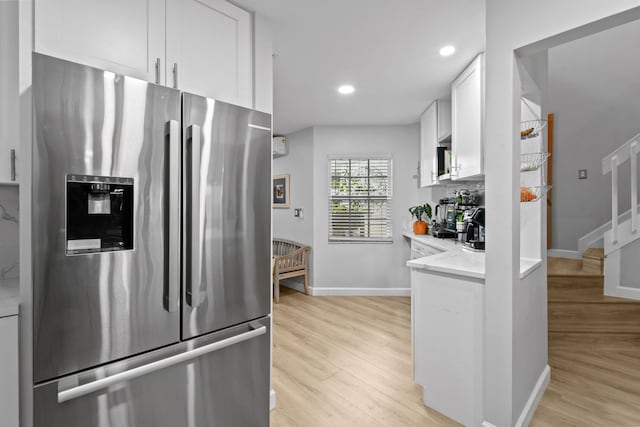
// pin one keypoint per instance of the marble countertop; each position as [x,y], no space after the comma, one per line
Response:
[9,297]
[455,259]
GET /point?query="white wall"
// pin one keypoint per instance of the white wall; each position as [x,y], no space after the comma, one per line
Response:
[298,163]
[350,265]
[505,393]
[351,268]
[593,93]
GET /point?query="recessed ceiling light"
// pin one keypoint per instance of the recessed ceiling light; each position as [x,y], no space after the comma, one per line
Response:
[346,89]
[447,50]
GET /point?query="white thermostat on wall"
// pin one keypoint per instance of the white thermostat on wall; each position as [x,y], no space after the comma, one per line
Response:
[279,146]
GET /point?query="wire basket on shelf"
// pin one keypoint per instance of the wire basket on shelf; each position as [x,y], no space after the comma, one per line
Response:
[532,161]
[531,128]
[533,194]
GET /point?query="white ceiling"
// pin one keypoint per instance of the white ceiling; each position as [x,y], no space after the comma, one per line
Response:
[387,49]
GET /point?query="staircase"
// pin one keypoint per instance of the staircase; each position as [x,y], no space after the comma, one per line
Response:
[623,231]
[578,311]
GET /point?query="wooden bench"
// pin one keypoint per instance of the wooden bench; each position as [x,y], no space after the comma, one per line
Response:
[290,259]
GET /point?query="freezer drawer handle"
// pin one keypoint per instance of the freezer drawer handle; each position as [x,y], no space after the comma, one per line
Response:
[79,391]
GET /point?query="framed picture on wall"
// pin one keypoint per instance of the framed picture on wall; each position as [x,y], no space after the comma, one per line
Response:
[280,191]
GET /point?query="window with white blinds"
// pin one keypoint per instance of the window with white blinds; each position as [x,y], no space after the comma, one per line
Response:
[360,199]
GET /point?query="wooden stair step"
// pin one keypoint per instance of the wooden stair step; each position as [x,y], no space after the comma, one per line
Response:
[593,260]
[561,267]
[594,254]
[595,317]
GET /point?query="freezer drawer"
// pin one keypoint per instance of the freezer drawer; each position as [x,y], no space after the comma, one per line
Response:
[224,381]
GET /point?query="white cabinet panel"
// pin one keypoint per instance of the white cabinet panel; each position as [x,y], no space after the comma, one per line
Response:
[448,350]
[429,146]
[9,390]
[444,119]
[435,126]
[9,99]
[467,97]
[124,36]
[210,41]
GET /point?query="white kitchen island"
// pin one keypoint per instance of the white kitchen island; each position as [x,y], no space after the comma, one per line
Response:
[447,300]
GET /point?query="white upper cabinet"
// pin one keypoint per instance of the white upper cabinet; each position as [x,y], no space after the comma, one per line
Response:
[123,36]
[209,41]
[435,127]
[9,98]
[467,98]
[199,46]
[428,146]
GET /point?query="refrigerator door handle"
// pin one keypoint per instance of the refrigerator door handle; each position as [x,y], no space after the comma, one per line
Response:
[172,294]
[84,389]
[195,261]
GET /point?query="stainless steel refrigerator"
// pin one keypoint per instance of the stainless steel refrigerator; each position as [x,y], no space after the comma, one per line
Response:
[151,254]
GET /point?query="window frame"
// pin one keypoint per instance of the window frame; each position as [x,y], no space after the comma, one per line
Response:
[388,198]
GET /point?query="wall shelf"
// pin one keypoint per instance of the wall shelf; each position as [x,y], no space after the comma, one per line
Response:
[9,183]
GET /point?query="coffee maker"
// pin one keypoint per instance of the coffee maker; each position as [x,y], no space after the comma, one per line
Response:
[474,235]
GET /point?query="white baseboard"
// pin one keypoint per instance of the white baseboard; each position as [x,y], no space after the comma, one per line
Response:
[532,403]
[272,400]
[534,399]
[563,253]
[361,292]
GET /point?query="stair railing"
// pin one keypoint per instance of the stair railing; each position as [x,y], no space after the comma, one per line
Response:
[627,152]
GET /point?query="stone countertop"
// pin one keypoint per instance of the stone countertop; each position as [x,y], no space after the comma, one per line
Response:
[9,297]
[457,260]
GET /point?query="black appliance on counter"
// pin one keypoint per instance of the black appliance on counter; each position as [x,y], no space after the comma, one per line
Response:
[443,233]
[474,235]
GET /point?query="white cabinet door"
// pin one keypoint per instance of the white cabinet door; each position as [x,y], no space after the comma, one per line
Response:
[435,126]
[467,97]
[210,43]
[9,99]
[9,389]
[123,36]
[429,146]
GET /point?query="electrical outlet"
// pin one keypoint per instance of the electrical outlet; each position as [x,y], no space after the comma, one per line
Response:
[298,213]
[582,174]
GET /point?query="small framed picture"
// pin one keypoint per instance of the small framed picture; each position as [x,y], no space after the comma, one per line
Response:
[280,191]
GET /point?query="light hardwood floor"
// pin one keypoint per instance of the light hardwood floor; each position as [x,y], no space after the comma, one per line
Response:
[594,351]
[346,361]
